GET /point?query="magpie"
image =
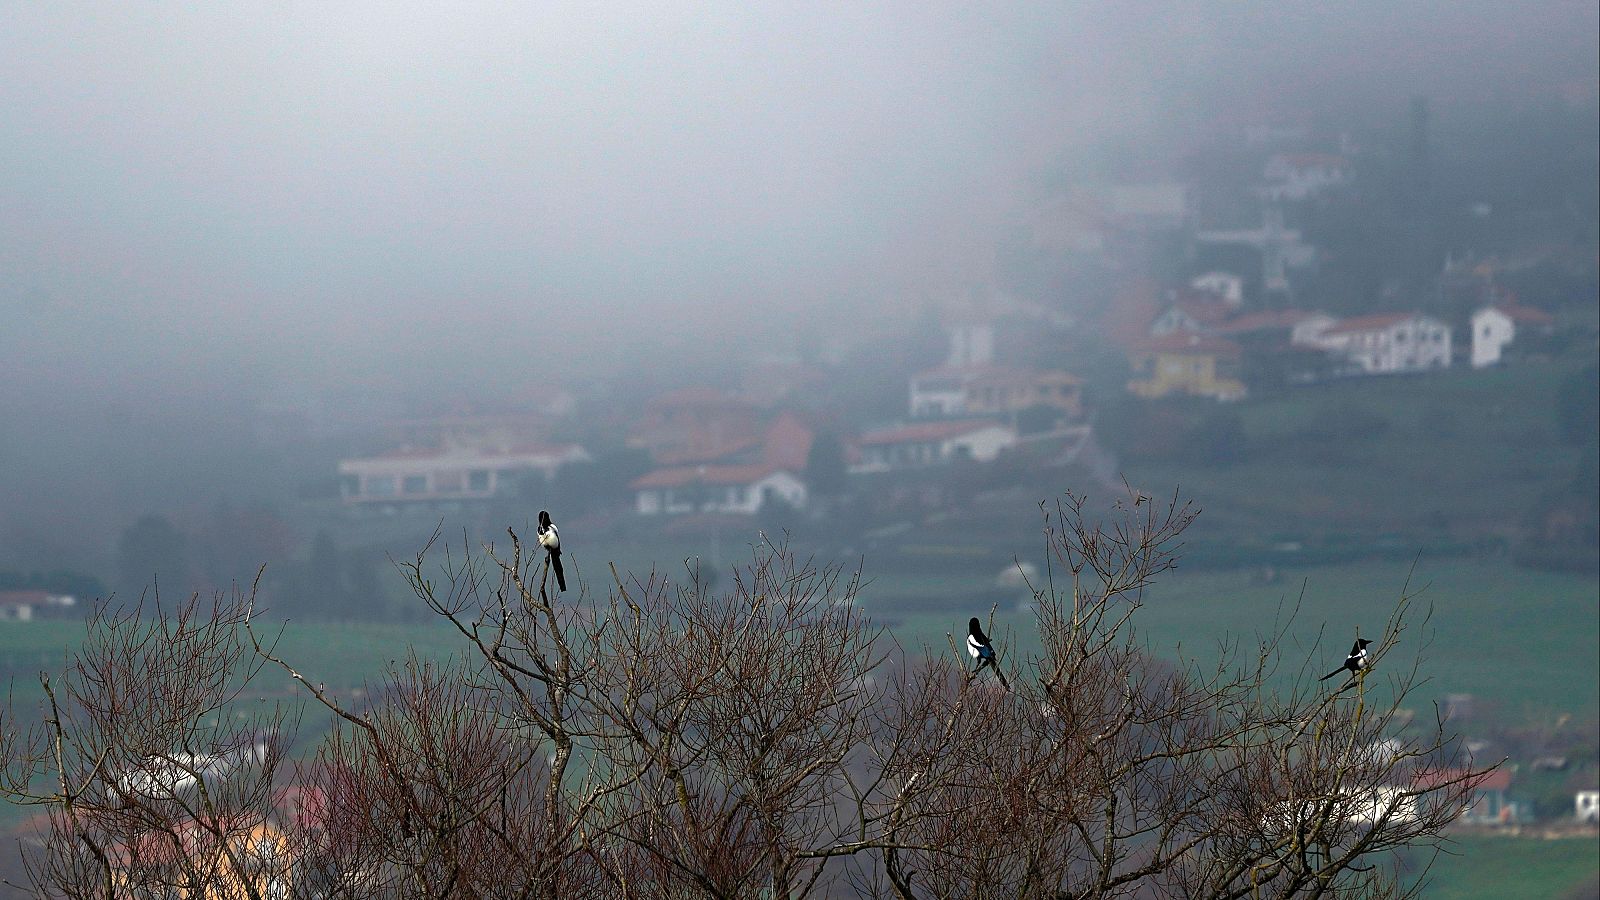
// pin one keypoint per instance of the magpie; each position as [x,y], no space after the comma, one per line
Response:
[980,649]
[550,540]
[1355,662]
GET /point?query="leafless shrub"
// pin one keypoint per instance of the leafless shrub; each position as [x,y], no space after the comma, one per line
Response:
[666,740]
[156,764]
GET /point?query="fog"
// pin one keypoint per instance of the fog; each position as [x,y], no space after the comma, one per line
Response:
[202,207]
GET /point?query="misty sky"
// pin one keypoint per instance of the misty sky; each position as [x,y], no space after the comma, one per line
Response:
[346,190]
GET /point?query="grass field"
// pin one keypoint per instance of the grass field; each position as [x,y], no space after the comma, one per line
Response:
[1541,629]
[1468,452]
[1492,867]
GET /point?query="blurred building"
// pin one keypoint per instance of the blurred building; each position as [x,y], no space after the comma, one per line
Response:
[1186,365]
[1389,343]
[931,443]
[709,474]
[450,473]
[1495,326]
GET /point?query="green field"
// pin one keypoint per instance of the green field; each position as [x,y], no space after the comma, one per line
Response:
[1491,867]
[1463,453]
[1540,629]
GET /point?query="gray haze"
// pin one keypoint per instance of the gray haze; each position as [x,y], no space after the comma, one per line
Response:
[333,188]
[198,201]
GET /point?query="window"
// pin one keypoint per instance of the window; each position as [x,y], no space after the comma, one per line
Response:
[379,485]
[414,484]
[478,480]
[349,485]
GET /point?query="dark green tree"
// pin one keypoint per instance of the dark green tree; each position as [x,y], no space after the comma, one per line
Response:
[825,468]
[1578,405]
[152,548]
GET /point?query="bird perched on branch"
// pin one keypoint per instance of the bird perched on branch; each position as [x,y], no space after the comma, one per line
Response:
[1355,662]
[550,540]
[979,648]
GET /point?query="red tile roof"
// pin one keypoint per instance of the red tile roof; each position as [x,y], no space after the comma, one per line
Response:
[1265,320]
[695,396]
[24,598]
[787,444]
[705,452]
[683,475]
[487,453]
[1376,322]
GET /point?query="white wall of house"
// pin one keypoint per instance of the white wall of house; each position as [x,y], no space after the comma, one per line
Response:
[938,394]
[1174,320]
[1586,806]
[1492,330]
[454,474]
[16,612]
[1226,285]
[780,484]
[744,499]
[1288,178]
[1309,332]
[1417,344]
[982,445]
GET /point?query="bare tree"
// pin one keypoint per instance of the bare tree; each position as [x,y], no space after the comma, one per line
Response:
[155,760]
[1108,772]
[766,740]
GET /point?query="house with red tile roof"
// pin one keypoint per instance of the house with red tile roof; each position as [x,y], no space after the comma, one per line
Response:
[1389,343]
[728,489]
[1185,364]
[734,478]
[992,390]
[1193,311]
[449,473]
[23,605]
[1487,803]
[695,425]
[930,443]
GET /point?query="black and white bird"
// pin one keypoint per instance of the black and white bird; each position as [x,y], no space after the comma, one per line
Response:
[979,648]
[550,540]
[1355,662]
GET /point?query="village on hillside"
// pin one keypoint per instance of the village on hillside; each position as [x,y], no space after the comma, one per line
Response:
[1005,379]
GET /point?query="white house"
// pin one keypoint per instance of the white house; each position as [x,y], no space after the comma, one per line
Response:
[1586,806]
[737,489]
[931,443]
[1226,285]
[1358,808]
[448,473]
[21,606]
[1297,176]
[941,391]
[1495,326]
[1389,343]
[1309,331]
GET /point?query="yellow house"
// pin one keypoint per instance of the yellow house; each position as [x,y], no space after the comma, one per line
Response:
[1186,364]
[194,861]
[999,391]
